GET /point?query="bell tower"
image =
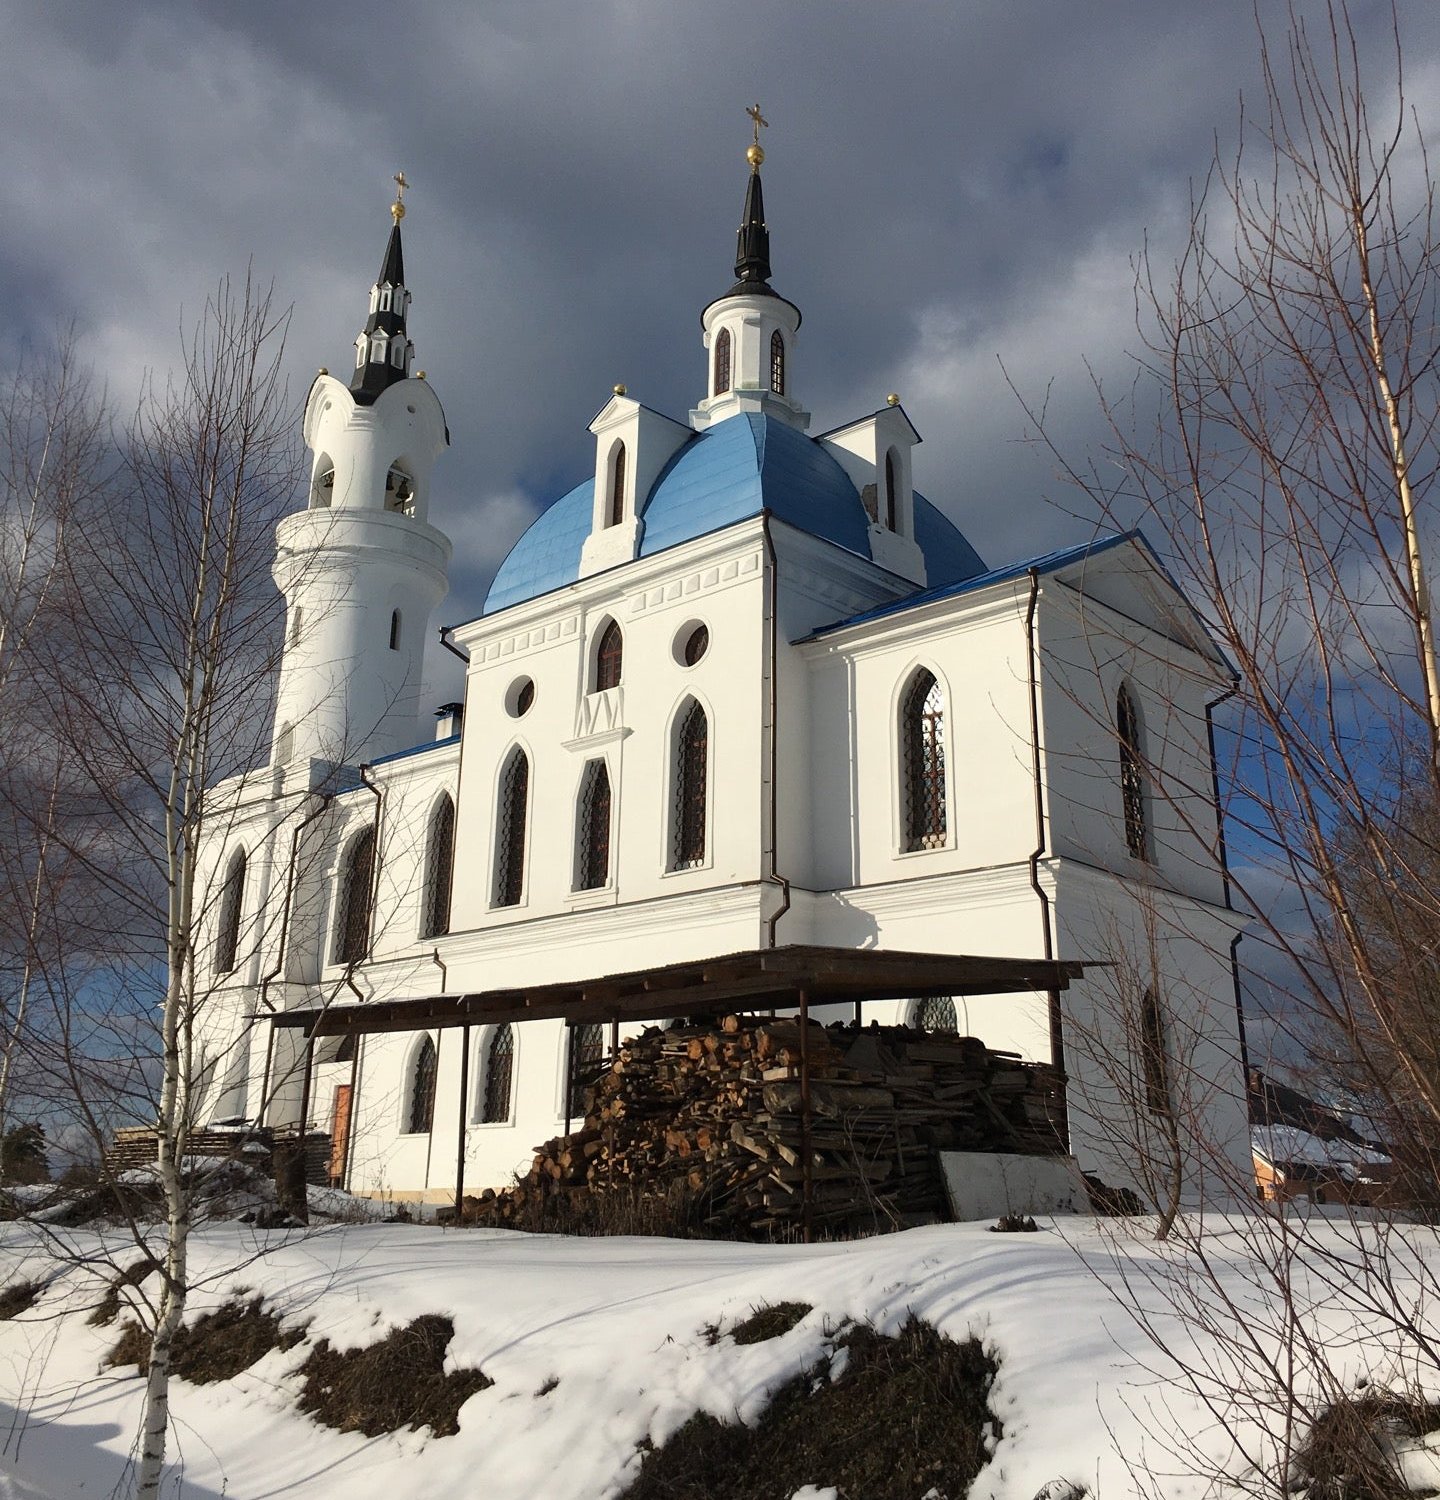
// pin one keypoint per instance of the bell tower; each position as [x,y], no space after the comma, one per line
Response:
[361,568]
[749,333]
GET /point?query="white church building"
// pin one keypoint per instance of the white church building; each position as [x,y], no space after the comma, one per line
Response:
[741,701]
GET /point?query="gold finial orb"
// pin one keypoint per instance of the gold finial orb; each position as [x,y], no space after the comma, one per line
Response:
[755,154]
[618,389]
[893,399]
[397,208]
[419,374]
[322,370]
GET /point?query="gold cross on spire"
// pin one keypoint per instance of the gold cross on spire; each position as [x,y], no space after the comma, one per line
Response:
[755,154]
[397,208]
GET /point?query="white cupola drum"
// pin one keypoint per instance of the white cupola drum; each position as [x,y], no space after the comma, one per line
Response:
[361,568]
[750,332]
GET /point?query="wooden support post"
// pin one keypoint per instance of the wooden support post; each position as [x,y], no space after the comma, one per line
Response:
[807,1166]
[569,1072]
[264,1109]
[350,1115]
[858,1004]
[460,1123]
[305,1087]
[614,1039]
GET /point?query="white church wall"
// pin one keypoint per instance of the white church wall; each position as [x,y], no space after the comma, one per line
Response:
[1088,652]
[1180,950]
[715,581]
[975,648]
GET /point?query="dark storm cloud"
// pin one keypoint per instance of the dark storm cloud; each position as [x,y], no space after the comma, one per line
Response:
[947,186]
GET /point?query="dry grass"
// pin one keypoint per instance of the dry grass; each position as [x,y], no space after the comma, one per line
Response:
[107,1309]
[217,1346]
[399,1382]
[769,1321]
[19,1297]
[1348,1453]
[908,1416]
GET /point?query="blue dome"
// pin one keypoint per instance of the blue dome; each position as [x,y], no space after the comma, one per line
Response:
[729,473]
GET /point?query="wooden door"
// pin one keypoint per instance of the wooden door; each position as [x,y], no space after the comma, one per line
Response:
[339,1133]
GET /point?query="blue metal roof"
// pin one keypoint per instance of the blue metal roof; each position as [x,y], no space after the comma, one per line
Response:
[734,470]
[1047,562]
[547,556]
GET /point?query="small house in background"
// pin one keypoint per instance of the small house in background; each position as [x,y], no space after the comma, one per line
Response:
[1305,1149]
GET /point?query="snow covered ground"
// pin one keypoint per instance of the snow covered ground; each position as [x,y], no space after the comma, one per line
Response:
[619,1323]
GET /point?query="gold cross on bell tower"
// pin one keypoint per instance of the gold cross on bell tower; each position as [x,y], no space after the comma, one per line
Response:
[397,208]
[755,153]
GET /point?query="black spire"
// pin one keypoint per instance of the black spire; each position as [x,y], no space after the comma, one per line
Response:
[752,243]
[384,339]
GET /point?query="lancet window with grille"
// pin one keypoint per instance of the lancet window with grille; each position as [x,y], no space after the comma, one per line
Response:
[587,1045]
[692,754]
[232,896]
[722,361]
[609,658]
[439,866]
[1132,775]
[352,935]
[777,363]
[422,1089]
[594,828]
[937,1013]
[510,834]
[922,732]
[499,1069]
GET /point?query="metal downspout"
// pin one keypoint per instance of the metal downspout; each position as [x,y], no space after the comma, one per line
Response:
[1057,1024]
[1225,878]
[773,622]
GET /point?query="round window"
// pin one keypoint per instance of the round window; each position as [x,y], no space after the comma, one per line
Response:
[519,696]
[691,643]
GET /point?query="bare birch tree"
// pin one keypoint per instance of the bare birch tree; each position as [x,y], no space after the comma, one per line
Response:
[153,682]
[1280,447]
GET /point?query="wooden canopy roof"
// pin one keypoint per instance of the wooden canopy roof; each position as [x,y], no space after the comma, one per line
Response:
[763,978]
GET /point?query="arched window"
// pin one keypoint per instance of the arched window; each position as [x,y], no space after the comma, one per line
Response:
[891,509]
[722,361]
[421,1113]
[617,487]
[499,1066]
[937,1013]
[352,932]
[323,490]
[394,629]
[510,831]
[587,1044]
[777,363]
[692,749]
[1153,1058]
[439,862]
[593,828]
[609,658]
[232,897]
[397,351]
[922,754]
[1132,775]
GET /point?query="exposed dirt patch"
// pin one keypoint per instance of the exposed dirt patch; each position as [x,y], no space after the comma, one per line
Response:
[904,1417]
[107,1309]
[767,1322]
[1349,1453]
[399,1382]
[19,1297]
[131,1348]
[217,1346]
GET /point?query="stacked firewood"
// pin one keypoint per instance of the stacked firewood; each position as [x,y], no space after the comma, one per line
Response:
[715,1114]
